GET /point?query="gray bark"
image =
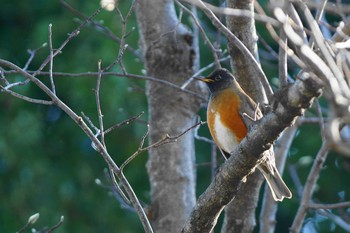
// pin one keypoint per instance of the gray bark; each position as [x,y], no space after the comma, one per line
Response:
[291,103]
[240,212]
[246,73]
[170,55]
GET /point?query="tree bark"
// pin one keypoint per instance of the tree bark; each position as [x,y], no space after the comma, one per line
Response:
[169,55]
[290,104]
[240,212]
[244,29]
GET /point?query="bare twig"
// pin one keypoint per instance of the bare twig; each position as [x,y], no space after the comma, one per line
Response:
[282,60]
[51,56]
[237,43]
[336,219]
[123,46]
[51,60]
[165,140]
[117,188]
[32,54]
[110,129]
[329,206]
[91,124]
[139,150]
[68,39]
[99,147]
[116,74]
[296,180]
[25,98]
[310,187]
[98,104]
[31,220]
[320,10]
[320,42]
[125,122]
[100,28]
[57,225]
[231,11]
[337,9]
[269,206]
[276,38]
[342,31]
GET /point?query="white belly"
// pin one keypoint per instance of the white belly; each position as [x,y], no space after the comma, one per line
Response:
[225,138]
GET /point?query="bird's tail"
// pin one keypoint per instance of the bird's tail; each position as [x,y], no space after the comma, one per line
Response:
[278,188]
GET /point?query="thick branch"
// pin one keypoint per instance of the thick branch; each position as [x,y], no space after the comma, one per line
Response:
[291,103]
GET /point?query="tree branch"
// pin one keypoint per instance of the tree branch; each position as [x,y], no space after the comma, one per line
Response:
[309,187]
[292,102]
[329,206]
[99,147]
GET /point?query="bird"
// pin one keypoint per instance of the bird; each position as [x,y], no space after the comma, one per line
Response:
[231,112]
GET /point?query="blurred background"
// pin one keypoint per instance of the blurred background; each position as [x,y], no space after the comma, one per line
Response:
[47,164]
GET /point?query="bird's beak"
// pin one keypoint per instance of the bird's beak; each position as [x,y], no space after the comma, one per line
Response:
[204,79]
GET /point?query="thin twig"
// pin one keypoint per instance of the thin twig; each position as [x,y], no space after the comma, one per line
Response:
[326,52]
[100,28]
[125,122]
[201,138]
[118,189]
[32,54]
[329,206]
[110,129]
[98,104]
[31,220]
[269,206]
[282,60]
[296,180]
[165,140]
[336,219]
[99,147]
[116,74]
[59,50]
[26,98]
[51,60]
[90,123]
[232,12]
[68,39]
[123,46]
[2,77]
[56,226]
[276,38]
[321,120]
[125,204]
[239,44]
[310,187]
[139,150]
[320,10]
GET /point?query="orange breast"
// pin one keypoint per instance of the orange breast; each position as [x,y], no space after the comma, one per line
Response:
[226,107]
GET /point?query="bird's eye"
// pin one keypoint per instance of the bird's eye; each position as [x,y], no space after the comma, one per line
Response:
[217,78]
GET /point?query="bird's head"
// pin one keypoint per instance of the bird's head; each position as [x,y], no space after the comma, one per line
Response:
[218,80]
